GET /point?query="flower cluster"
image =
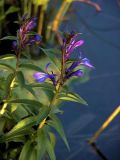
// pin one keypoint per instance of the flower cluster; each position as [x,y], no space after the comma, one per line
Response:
[24,35]
[70,71]
[70,43]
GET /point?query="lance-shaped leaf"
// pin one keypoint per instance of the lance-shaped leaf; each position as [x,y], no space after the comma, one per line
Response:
[12,9]
[56,124]
[52,55]
[50,150]
[30,66]
[24,127]
[21,78]
[7,67]
[44,111]
[22,83]
[26,101]
[30,89]
[52,139]
[41,139]
[7,57]
[26,150]
[45,85]
[9,38]
[8,84]
[70,96]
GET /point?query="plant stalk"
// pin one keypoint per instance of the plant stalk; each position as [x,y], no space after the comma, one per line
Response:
[104,125]
[59,17]
[41,20]
[60,84]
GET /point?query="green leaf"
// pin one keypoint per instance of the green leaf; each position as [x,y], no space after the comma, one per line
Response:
[29,89]
[12,9]
[33,155]
[43,114]
[41,139]
[21,78]
[55,123]
[24,127]
[70,96]
[26,101]
[26,150]
[52,139]
[51,54]
[17,135]
[8,83]
[9,38]
[14,138]
[30,66]
[23,124]
[32,120]
[21,81]
[44,85]
[50,150]
[2,124]
[7,67]
[7,56]
[18,113]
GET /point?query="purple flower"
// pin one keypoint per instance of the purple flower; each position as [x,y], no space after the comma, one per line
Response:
[33,39]
[83,61]
[70,71]
[86,62]
[42,77]
[77,73]
[24,37]
[71,43]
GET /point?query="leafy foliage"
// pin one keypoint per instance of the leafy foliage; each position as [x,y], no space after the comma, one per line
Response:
[28,109]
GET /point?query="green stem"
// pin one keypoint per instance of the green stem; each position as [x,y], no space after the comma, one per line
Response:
[30,8]
[1,14]
[41,20]
[61,13]
[54,26]
[25,6]
[60,84]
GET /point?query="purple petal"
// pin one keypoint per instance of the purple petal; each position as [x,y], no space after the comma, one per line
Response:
[78,73]
[73,66]
[86,63]
[72,46]
[40,76]
[52,77]
[37,38]
[78,43]
[46,67]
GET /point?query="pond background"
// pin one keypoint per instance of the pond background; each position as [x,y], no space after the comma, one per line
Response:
[101,32]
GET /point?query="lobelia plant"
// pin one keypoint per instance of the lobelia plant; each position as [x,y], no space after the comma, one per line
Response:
[26,123]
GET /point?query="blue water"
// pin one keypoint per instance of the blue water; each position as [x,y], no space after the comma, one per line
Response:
[101,32]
